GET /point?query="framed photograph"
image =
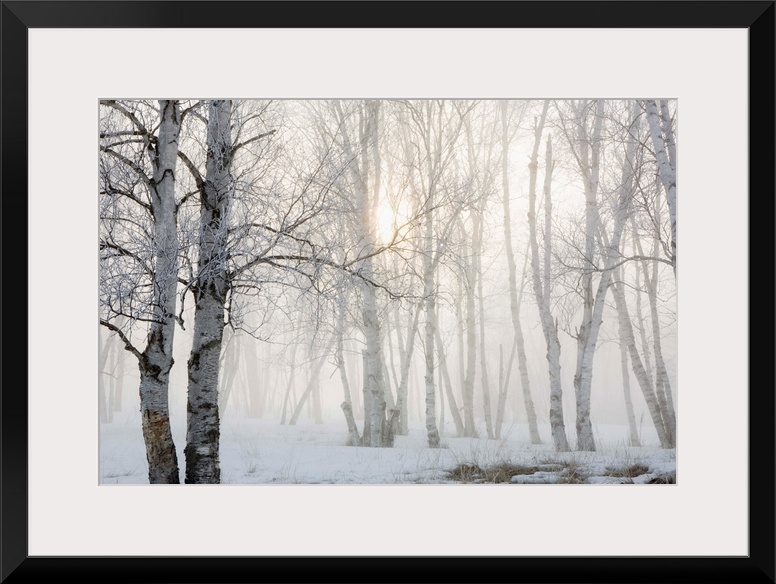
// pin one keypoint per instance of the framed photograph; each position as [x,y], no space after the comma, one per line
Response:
[90,89]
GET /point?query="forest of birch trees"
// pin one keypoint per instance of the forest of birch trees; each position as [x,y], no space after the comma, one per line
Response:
[456,266]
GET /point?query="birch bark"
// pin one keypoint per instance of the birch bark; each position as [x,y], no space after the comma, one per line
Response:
[368,134]
[157,360]
[210,292]
[662,140]
[514,305]
[542,287]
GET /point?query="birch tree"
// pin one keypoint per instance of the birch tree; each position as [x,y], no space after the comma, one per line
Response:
[364,162]
[650,397]
[139,252]
[210,289]
[542,282]
[437,126]
[625,370]
[586,145]
[662,134]
[556,406]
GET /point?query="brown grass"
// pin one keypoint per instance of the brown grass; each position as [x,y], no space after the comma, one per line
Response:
[568,472]
[667,479]
[634,470]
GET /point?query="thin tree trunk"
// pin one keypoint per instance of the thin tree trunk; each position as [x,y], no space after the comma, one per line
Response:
[440,387]
[105,351]
[118,396]
[230,363]
[358,412]
[666,169]
[384,379]
[662,383]
[429,292]
[633,430]
[542,289]
[587,334]
[353,437]
[471,343]
[477,238]
[290,384]
[340,357]
[503,385]
[430,330]
[366,435]
[638,367]
[453,406]
[256,387]
[514,304]
[316,399]
[406,351]
[374,394]
[459,319]
[314,373]
[639,317]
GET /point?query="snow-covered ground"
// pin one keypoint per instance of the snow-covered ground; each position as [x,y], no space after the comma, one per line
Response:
[263,451]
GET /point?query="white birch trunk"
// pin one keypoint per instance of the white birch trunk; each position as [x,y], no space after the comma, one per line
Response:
[665,166]
[661,374]
[366,435]
[353,438]
[460,322]
[385,382]
[105,351]
[432,433]
[340,355]
[633,430]
[210,292]
[503,385]
[585,439]
[290,386]
[157,360]
[587,334]
[639,317]
[354,373]
[477,248]
[640,372]
[119,393]
[374,399]
[542,289]
[407,351]
[471,346]
[662,383]
[452,405]
[429,292]
[514,305]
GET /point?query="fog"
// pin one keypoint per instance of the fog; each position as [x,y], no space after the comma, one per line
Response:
[401,291]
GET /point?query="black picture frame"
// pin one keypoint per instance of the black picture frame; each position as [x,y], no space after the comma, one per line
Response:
[17,566]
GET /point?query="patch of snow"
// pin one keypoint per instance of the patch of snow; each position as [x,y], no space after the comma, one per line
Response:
[262,451]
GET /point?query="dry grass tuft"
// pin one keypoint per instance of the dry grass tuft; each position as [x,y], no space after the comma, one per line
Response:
[667,479]
[631,471]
